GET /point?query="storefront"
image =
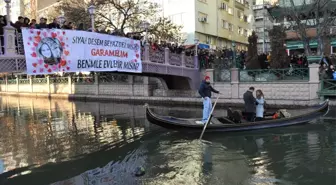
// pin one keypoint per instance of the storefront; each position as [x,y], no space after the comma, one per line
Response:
[297,46]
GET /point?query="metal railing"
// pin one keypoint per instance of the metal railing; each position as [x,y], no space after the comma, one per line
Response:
[272,75]
[222,72]
[87,80]
[59,80]
[328,87]
[24,81]
[39,80]
[112,78]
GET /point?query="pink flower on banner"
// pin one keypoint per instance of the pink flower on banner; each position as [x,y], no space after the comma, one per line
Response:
[45,34]
[40,61]
[41,70]
[30,38]
[54,67]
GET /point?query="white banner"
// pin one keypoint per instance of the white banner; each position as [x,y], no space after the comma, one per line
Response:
[52,50]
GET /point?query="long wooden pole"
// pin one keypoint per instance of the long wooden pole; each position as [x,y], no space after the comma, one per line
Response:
[210,116]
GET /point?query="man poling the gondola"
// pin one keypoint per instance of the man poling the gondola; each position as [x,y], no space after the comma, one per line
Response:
[205,91]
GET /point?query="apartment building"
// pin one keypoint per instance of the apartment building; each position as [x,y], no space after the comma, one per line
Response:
[263,22]
[215,23]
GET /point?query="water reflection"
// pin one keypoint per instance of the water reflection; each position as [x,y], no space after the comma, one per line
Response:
[103,143]
[39,131]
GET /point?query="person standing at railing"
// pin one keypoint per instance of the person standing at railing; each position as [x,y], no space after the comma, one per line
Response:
[54,25]
[205,91]
[42,24]
[2,25]
[32,24]
[19,24]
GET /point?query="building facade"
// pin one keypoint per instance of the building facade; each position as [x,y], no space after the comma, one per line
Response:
[263,22]
[213,22]
[26,8]
[294,43]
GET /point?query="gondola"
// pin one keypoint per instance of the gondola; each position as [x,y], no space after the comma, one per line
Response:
[227,124]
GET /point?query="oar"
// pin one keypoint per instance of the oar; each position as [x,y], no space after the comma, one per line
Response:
[210,116]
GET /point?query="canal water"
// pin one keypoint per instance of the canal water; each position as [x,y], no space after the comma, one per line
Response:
[75,143]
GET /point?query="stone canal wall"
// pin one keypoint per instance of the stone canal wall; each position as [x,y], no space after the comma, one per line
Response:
[155,90]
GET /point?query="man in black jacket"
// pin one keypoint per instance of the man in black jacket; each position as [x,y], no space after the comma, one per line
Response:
[205,91]
[250,104]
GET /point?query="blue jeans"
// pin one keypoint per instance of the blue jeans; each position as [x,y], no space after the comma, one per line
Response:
[207,107]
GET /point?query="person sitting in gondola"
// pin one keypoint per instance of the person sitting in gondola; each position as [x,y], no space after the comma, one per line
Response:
[260,105]
[205,91]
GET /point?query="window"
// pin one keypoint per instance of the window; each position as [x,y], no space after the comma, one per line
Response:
[241,1]
[240,15]
[225,24]
[224,6]
[230,11]
[245,32]
[230,26]
[245,18]
[208,39]
[240,31]
[202,17]
[259,29]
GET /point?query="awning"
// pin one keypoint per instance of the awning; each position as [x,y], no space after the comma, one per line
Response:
[203,46]
[299,44]
[200,46]
[333,42]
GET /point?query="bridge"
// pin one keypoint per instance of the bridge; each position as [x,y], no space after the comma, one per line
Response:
[178,70]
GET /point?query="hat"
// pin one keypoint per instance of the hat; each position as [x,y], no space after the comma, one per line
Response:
[207,78]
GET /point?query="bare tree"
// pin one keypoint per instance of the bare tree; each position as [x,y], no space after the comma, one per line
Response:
[308,14]
[122,16]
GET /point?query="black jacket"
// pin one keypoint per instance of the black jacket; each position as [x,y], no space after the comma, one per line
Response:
[205,89]
[250,102]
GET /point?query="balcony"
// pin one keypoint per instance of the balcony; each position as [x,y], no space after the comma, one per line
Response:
[239,5]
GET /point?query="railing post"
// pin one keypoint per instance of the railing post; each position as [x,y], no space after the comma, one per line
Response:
[234,75]
[183,61]
[314,81]
[48,84]
[9,38]
[167,52]
[96,83]
[6,81]
[17,83]
[146,85]
[147,52]
[210,73]
[70,84]
[31,84]
[130,83]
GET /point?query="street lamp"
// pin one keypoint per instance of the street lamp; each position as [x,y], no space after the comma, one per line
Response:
[92,10]
[145,25]
[196,46]
[61,20]
[8,11]
[234,53]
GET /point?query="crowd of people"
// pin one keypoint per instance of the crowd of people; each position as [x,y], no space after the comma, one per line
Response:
[327,70]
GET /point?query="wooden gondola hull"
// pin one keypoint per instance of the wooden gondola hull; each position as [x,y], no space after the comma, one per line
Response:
[186,124]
